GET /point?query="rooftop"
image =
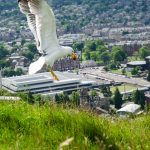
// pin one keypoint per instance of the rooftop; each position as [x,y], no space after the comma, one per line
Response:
[45,83]
[137,63]
[148,57]
[130,108]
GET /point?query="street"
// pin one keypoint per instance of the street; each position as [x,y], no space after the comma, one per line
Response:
[97,72]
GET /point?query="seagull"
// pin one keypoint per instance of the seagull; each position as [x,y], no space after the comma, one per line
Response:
[41,21]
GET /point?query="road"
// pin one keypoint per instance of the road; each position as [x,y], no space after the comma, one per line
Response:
[98,72]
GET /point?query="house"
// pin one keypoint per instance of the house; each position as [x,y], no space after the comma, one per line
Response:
[134,64]
[129,109]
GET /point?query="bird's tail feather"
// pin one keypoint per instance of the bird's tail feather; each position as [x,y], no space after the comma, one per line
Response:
[36,66]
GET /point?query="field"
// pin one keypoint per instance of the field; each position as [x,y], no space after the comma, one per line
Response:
[33,127]
[124,88]
[119,71]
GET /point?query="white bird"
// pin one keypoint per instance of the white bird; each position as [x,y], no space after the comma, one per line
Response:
[41,21]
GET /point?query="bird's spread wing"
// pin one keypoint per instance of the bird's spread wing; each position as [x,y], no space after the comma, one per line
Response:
[23,4]
[45,25]
[36,66]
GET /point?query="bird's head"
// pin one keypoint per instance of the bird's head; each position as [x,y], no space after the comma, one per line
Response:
[70,51]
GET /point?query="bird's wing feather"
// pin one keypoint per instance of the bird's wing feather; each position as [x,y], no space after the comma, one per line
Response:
[45,24]
[36,66]
[24,8]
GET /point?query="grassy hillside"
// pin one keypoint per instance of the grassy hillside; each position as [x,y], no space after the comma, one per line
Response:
[28,127]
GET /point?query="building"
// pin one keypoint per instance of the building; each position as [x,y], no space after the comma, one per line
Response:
[44,83]
[134,64]
[129,109]
[147,59]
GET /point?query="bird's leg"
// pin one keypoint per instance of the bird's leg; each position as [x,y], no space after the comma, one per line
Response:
[53,74]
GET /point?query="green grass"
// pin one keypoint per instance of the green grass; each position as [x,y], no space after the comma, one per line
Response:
[119,71]
[123,88]
[30,127]
[134,58]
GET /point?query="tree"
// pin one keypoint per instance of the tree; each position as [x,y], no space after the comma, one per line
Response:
[19,71]
[66,97]
[142,99]
[93,93]
[139,98]
[105,57]
[106,91]
[3,52]
[87,55]
[134,71]
[123,71]
[37,98]
[32,48]
[75,98]
[23,41]
[4,63]
[148,76]
[30,98]
[78,46]
[57,99]
[8,72]
[144,52]
[135,96]
[117,99]
[101,48]
[99,42]
[118,54]
[90,45]
[93,56]
[28,54]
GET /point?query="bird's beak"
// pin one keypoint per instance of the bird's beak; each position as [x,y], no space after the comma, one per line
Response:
[74,56]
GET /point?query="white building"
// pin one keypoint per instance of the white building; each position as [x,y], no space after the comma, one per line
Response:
[44,83]
[129,109]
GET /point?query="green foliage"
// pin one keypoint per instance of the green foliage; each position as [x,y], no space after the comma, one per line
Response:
[4,63]
[106,91]
[62,98]
[135,71]
[117,99]
[28,54]
[9,72]
[75,98]
[32,48]
[93,56]
[90,45]
[93,93]
[87,55]
[29,127]
[105,57]
[144,52]
[78,46]
[3,52]
[23,41]
[123,71]
[19,71]
[113,66]
[139,98]
[118,54]
[5,93]
[58,99]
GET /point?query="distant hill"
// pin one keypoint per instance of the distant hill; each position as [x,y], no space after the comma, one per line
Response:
[77,15]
